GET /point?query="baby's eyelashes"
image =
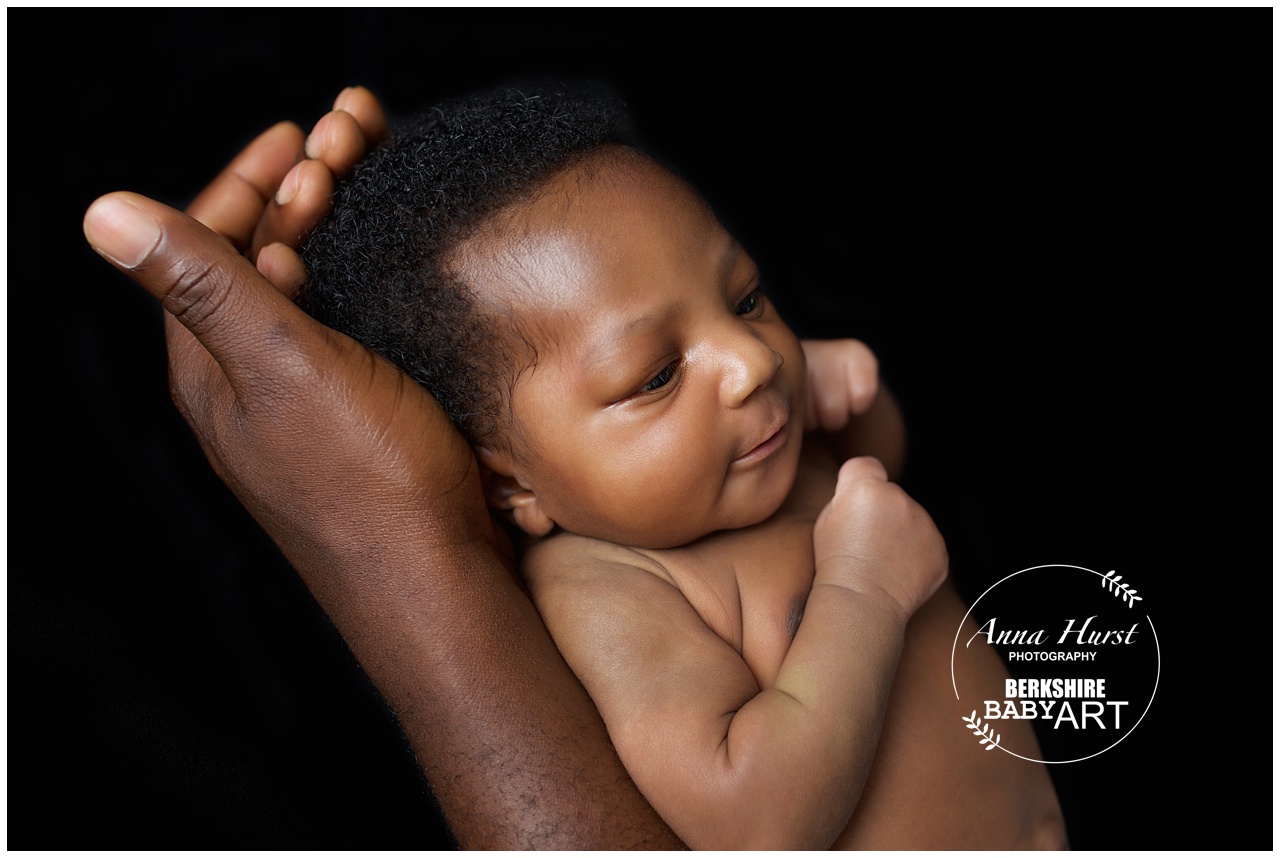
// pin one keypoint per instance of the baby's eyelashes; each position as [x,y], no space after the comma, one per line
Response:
[661,379]
[748,304]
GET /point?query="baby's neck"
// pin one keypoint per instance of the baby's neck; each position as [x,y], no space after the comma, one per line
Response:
[811,488]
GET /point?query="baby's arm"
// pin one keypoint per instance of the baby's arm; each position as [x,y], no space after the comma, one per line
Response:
[729,764]
[848,404]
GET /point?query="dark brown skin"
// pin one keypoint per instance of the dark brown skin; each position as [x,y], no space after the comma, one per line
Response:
[374,497]
[362,481]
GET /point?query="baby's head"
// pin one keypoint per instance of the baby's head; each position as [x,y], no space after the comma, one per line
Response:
[579,312]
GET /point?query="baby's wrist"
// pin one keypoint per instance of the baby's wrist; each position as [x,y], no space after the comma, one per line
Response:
[869,593]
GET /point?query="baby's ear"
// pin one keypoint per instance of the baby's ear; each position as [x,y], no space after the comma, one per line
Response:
[509,496]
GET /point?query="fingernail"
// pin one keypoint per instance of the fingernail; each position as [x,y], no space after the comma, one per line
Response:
[340,103]
[121,231]
[289,187]
[314,146]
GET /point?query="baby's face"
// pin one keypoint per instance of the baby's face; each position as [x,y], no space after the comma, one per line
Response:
[667,397]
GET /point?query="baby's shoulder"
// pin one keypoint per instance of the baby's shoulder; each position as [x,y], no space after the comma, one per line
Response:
[589,590]
[573,561]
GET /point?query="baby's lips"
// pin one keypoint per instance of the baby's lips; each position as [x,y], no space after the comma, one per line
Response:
[776,425]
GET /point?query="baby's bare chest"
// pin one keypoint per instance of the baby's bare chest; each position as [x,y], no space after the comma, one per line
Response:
[750,586]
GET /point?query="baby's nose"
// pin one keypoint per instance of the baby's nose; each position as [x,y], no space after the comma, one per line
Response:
[750,364]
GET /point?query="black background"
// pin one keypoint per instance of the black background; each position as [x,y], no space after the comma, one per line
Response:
[1053,227]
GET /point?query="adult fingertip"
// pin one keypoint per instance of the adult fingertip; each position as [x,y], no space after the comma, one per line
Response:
[313,148]
[121,230]
[281,264]
[344,97]
[289,185]
[363,106]
[319,139]
[286,126]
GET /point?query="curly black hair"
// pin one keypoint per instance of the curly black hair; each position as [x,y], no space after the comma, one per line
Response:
[378,264]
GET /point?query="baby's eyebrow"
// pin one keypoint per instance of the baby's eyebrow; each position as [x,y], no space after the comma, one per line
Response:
[730,254]
[606,345]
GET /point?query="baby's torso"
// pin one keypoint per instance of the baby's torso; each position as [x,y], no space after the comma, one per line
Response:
[932,786]
[750,586]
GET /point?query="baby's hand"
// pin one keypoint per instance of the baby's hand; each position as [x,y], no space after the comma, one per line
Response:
[843,381]
[873,538]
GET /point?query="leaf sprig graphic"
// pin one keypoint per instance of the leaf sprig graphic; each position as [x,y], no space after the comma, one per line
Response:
[983,732]
[1124,591]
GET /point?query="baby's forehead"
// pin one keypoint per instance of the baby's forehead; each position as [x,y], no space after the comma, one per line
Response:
[598,252]
[590,224]
[570,203]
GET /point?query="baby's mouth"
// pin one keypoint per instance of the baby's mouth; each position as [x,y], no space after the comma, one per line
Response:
[767,447]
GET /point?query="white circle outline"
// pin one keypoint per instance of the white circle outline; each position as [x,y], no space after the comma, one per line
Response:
[1058,566]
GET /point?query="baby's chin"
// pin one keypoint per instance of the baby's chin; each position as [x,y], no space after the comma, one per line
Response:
[684,530]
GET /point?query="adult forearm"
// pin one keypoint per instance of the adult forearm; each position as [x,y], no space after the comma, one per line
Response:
[359,478]
[515,752]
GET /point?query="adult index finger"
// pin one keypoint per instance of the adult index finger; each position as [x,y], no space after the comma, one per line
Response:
[202,281]
[234,201]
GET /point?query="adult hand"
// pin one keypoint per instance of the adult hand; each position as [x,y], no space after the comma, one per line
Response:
[278,188]
[374,497]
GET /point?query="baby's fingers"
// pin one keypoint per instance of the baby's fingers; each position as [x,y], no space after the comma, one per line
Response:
[861,379]
[860,468]
[829,406]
